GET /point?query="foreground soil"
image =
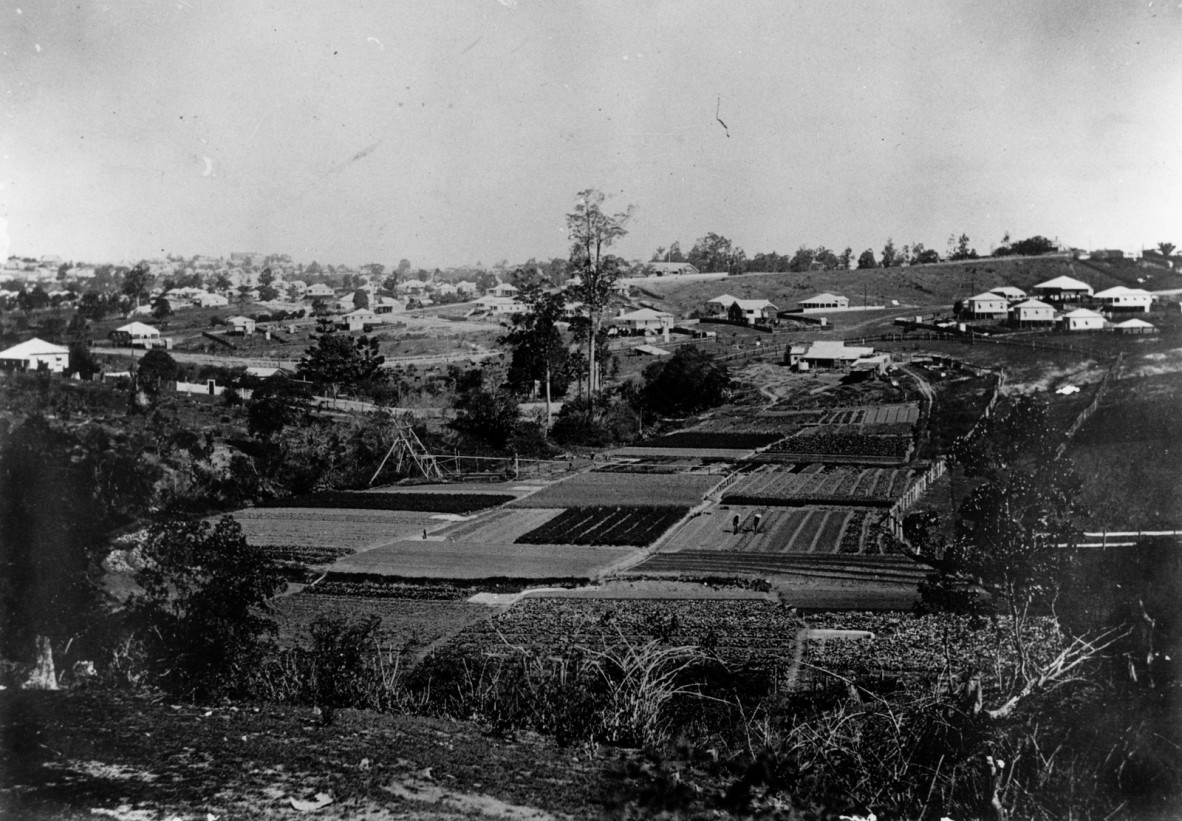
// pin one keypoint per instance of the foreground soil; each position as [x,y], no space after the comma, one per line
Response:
[77,755]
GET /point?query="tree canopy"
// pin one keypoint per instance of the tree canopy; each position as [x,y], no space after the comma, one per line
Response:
[689,381]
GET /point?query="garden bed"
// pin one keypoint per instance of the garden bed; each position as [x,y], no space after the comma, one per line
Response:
[616,526]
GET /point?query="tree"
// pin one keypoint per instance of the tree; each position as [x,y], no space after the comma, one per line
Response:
[539,351]
[846,259]
[267,293]
[689,381]
[135,282]
[82,361]
[275,403]
[867,260]
[713,252]
[403,269]
[266,277]
[592,232]
[203,611]
[360,299]
[486,411]
[802,260]
[1029,247]
[156,368]
[340,360]
[48,561]
[161,308]
[958,248]
[734,312]
[1166,248]
[890,257]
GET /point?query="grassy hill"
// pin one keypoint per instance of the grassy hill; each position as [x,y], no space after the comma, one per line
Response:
[940,284]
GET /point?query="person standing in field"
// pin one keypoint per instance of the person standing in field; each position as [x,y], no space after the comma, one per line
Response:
[758,517]
[735,525]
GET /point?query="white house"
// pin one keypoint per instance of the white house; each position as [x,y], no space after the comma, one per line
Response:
[987,306]
[466,287]
[33,355]
[1062,289]
[318,291]
[644,319]
[1121,298]
[136,334]
[358,319]
[754,310]
[503,289]
[1081,319]
[825,302]
[1011,293]
[387,305]
[1032,312]
[207,300]
[499,305]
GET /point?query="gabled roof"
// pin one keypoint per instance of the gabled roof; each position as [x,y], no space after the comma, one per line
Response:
[1009,291]
[138,329]
[236,320]
[826,297]
[33,347]
[988,296]
[1064,284]
[834,349]
[1033,303]
[1121,290]
[651,350]
[754,304]
[646,313]
[1134,323]
[1082,313]
[725,299]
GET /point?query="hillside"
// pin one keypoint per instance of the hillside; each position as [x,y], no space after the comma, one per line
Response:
[924,285]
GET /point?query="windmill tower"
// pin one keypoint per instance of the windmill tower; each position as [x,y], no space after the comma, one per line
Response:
[411,457]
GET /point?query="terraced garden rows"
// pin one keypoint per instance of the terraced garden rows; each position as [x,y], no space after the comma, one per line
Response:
[868,570]
[634,526]
[827,485]
[798,530]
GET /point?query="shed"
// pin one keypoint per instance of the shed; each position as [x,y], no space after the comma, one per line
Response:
[833,354]
[35,354]
[357,320]
[1134,326]
[241,325]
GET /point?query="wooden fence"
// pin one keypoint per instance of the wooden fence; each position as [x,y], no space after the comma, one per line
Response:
[1087,412]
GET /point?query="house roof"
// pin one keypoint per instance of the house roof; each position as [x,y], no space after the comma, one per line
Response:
[238,320]
[1082,313]
[1063,284]
[835,349]
[363,313]
[725,299]
[138,329]
[33,347]
[988,296]
[1133,323]
[651,350]
[1033,303]
[1009,291]
[646,313]
[754,304]
[826,297]
[1121,290]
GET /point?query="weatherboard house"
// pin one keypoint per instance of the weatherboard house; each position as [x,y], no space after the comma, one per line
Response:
[1062,289]
[33,355]
[1012,294]
[1032,312]
[1122,298]
[1081,319]
[987,306]
[644,320]
[135,334]
[754,311]
[825,302]
[672,268]
[832,354]
[1134,326]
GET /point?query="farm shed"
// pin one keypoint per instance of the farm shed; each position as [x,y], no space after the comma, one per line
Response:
[1062,289]
[33,355]
[1032,312]
[644,319]
[387,305]
[1134,326]
[825,302]
[1122,298]
[499,305]
[1081,319]
[1011,293]
[208,300]
[135,333]
[651,350]
[988,305]
[357,320]
[829,354]
[241,325]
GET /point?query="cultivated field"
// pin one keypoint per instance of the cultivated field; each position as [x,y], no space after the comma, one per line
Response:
[346,530]
[634,526]
[818,484]
[610,489]
[432,559]
[781,530]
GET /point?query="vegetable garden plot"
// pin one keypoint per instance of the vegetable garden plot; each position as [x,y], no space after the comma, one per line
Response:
[828,485]
[303,554]
[839,440]
[880,571]
[620,526]
[481,560]
[501,526]
[737,440]
[407,625]
[313,532]
[781,530]
[905,414]
[602,489]
[433,502]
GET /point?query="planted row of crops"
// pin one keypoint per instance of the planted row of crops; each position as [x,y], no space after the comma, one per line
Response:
[830,485]
[305,554]
[873,571]
[428,502]
[667,489]
[833,441]
[606,526]
[873,414]
[371,587]
[713,440]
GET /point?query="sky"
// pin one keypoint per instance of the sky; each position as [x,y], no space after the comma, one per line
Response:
[453,132]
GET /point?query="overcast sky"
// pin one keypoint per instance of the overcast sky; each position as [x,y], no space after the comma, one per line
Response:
[455,132]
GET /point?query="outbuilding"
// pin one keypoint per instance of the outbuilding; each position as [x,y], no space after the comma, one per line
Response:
[243,325]
[833,354]
[644,320]
[1134,326]
[34,355]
